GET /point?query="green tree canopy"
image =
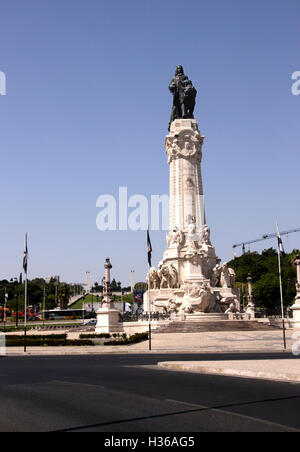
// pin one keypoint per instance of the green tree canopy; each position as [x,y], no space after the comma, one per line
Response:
[265,274]
[64,295]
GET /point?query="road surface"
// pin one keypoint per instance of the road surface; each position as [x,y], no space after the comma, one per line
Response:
[128,393]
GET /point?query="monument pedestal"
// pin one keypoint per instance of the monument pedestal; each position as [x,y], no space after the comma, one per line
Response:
[108,321]
[108,316]
[296,316]
[296,307]
[296,312]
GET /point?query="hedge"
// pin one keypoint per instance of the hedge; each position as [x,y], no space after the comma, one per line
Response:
[60,340]
[95,336]
[135,339]
[50,341]
[102,336]
[37,337]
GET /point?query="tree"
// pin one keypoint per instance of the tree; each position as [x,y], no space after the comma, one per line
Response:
[50,302]
[64,295]
[114,286]
[264,271]
[141,287]
[266,293]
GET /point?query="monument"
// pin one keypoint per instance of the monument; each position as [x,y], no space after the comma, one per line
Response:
[107,315]
[296,307]
[189,281]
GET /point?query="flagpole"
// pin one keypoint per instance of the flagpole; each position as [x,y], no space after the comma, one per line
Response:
[149,305]
[25,320]
[149,249]
[26,297]
[281,289]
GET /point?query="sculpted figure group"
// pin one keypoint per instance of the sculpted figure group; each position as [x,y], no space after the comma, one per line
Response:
[165,277]
[223,276]
[199,298]
[175,238]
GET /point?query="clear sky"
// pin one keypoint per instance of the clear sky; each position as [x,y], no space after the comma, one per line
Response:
[87,109]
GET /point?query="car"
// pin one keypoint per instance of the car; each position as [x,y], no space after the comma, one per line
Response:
[91,322]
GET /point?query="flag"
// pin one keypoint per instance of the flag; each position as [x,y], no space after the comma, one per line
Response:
[25,259]
[280,244]
[149,248]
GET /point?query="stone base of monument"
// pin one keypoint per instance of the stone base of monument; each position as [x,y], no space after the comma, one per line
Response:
[296,315]
[202,317]
[171,300]
[108,321]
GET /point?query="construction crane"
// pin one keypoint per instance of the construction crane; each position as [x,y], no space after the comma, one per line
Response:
[264,237]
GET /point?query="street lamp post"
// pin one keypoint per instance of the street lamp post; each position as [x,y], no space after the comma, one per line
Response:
[97,300]
[56,294]
[17,309]
[44,305]
[243,296]
[5,304]
[120,289]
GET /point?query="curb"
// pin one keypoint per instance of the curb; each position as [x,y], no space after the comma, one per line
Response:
[137,351]
[176,366]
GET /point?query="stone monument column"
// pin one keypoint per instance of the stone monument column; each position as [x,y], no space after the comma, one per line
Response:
[187,212]
[251,305]
[296,307]
[188,280]
[107,315]
[184,150]
[107,293]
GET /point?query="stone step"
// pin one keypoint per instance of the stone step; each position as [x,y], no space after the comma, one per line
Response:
[198,327]
[205,317]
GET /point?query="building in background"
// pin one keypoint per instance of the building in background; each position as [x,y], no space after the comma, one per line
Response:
[52,279]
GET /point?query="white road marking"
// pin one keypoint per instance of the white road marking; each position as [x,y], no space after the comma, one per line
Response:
[243,416]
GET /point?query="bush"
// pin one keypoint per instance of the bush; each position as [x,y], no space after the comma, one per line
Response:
[38,337]
[79,342]
[136,338]
[50,343]
[95,336]
[34,342]
[59,340]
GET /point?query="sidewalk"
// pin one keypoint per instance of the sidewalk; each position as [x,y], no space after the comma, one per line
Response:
[280,370]
[222,342]
[67,351]
[217,342]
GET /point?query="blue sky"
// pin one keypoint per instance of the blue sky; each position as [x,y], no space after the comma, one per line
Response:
[87,109]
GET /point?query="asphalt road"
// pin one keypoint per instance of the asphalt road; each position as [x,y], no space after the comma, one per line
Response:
[127,393]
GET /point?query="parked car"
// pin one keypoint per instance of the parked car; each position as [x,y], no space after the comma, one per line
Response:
[91,322]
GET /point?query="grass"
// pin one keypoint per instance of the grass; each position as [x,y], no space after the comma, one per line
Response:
[89,299]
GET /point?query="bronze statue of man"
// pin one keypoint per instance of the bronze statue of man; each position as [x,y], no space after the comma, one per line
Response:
[184,96]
